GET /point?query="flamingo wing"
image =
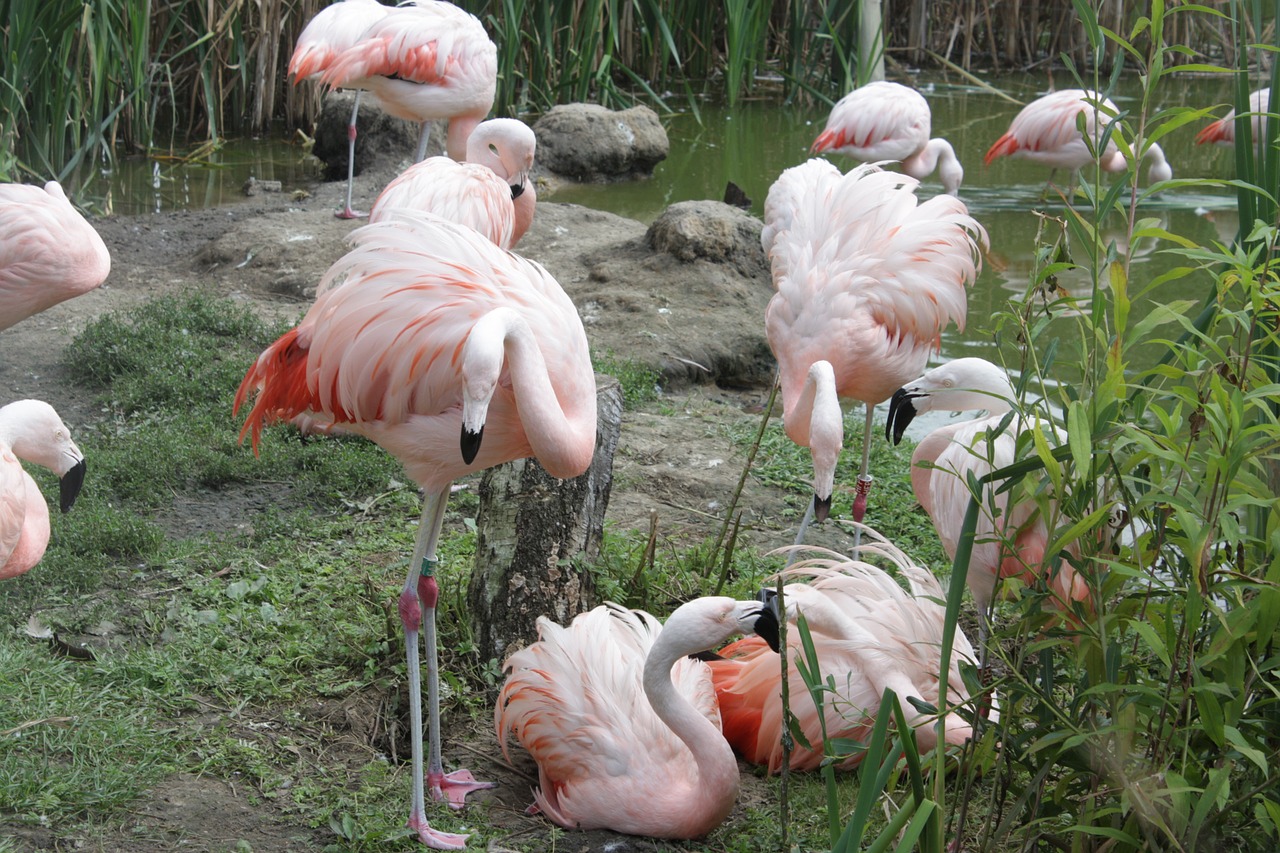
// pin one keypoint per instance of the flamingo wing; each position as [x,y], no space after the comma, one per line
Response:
[879,121]
[333,30]
[466,193]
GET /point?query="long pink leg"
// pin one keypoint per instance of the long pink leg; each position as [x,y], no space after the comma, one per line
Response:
[347,212]
[418,600]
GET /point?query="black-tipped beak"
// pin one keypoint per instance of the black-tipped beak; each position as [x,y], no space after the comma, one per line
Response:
[471,444]
[821,508]
[517,190]
[766,625]
[71,482]
[901,413]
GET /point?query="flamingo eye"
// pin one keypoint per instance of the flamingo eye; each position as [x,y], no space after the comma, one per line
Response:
[947,383]
[493,149]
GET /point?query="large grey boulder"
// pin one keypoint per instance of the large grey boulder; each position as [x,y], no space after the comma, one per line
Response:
[587,142]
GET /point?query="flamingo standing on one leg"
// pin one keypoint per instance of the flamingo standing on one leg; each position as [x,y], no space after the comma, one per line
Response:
[490,192]
[867,277]
[454,356]
[48,251]
[429,61]
[869,634]
[1010,539]
[1045,131]
[333,30]
[32,430]
[1223,131]
[623,723]
[889,121]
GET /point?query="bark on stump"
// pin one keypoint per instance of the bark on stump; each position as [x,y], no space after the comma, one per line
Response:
[529,529]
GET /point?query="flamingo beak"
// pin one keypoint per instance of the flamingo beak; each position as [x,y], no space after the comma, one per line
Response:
[766,627]
[901,413]
[821,508]
[470,444]
[518,188]
[69,486]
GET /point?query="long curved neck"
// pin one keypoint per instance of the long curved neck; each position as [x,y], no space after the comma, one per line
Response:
[717,767]
[938,154]
[562,436]
[459,131]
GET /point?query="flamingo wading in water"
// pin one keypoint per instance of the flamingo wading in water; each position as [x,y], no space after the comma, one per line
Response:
[889,121]
[867,277]
[32,430]
[454,356]
[491,191]
[49,253]
[1046,131]
[869,634]
[623,723]
[1011,538]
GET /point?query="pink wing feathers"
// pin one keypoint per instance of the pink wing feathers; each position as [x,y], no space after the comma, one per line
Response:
[333,30]
[879,121]
[465,193]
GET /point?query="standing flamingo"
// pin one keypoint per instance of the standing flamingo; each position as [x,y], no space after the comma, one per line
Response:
[1046,131]
[48,251]
[867,277]
[333,30]
[454,356]
[889,121]
[429,61]
[1223,131]
[490,192]
[1010,539]
[623,723]
[32,430]
[869,634]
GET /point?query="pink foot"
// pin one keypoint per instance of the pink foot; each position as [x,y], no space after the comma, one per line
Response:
[454,787]
[435,839]
[349,213]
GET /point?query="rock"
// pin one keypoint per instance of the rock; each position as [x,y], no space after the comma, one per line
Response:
[379,137]
[711,231]
[253,186]
[587,142]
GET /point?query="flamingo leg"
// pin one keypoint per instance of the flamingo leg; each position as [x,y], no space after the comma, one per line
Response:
[347,211]
[863,487]
[424,133]
[419,594]
[804,526]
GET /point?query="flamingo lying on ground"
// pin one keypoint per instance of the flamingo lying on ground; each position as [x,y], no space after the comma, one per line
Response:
[869,634]
[623,723]
[491,191]
[889,121]
[867,277]
[48,252]
[32,430]
[1009,540]
[1045,131]
[454,356]
[1223,131]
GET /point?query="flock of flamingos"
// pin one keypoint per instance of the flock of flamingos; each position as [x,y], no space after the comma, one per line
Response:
[432,338]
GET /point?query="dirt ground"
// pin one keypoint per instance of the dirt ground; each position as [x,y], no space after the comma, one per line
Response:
[270,251]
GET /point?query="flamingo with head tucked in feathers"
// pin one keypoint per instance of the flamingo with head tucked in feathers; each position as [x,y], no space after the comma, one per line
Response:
[453,355]
[622,721]
[889,121]
[867,277]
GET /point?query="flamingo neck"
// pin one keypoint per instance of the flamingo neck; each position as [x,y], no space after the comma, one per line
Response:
[460,130]
[813,419]
[938,154]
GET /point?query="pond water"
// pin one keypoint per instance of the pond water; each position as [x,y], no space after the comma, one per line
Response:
[752,144]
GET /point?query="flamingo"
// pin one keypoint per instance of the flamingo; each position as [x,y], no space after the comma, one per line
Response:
[867,277]
[429,61]
[48,251]
[889,121]
[1223,131]
[32,430]
[1010,540]
[1046,131]
[623,723]
[491,191]
[454,356]
[335,29]
[869,634]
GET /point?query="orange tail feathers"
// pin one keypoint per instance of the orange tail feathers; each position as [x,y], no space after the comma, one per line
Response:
[278,383]
[741,713]
[1215,132]
[1003,147]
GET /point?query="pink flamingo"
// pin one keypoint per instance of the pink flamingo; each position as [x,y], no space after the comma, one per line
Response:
[889,121]
[491,191]
[1045,131]
[429,61]
[48,251]
[867,277]
[32,430]
[335,29]
[1010,539]
[622,721]
[869,634]
[454,356]
[1223,131]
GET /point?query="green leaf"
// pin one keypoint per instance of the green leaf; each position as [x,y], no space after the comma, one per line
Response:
[1079,436]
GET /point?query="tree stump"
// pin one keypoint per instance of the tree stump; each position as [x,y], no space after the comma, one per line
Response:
[531,529]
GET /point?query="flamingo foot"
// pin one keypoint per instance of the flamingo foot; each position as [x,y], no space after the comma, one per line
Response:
[348,212]
[861,489]
[434,838]
[454,786]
